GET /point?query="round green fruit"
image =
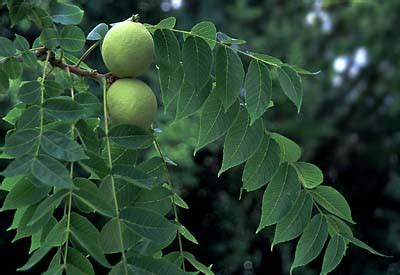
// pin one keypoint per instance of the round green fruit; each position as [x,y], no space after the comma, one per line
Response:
[128,49]
[131,101]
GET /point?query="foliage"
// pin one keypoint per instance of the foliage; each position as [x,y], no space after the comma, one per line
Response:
[63,156]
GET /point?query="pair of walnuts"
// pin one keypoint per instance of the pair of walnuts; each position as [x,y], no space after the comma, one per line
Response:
[127,52]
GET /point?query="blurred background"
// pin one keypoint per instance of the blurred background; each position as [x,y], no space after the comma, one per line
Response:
[349,125]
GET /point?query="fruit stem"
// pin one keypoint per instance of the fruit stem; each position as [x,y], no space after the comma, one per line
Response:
[110,164]
[158,149]
[135,18]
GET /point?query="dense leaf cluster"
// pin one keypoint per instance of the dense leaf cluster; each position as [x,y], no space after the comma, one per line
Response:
[66,164]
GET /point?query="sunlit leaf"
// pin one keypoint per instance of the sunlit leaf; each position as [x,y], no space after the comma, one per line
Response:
[332,201]
[98,32]
[290,151]
[65,13]
[207,31]
[309,174]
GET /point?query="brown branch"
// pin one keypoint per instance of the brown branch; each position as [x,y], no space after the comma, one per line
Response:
[93,74]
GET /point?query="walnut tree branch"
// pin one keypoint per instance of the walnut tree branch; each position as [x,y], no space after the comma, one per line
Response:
[93,74]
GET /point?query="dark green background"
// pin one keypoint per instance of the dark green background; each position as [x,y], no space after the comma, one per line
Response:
[352,131]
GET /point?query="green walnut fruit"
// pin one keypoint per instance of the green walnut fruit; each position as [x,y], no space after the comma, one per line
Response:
[128,49]
[131,101]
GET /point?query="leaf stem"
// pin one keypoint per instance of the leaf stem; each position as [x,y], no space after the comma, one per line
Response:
[114,193]
[42,101]
[69,203]
[86,54]
[158,149]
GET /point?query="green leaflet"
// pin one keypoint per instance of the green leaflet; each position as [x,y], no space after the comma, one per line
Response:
[150,266]
[170,84]
[309,174]
[87,235]
[261,167]
[334,254]
[134,176]
[120,154]
[205,30]
[197,61]
[293,223]
[229,76]
[90,103]
[332,201]
[363,245]
[65,14]
[214,121]
[191,98]
[13,68]
[64,108]
[167,49]
[167,23]
[110,240]
[23,194]
[186,233]
[158,199]
[79,260]
[50,38]
[196,264]
[22,142]
[337,227]
[7,48]
[95,165]
[25,228]
[291,85]
[241,141]
[72,38]
[61,146]
[170,73]
[279,196]
[88,193]
[290,151]
[48,205]
[131,137]
[148,224]
[258,85]
[311,242]
[50,172]
[98,32]
[35,258]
